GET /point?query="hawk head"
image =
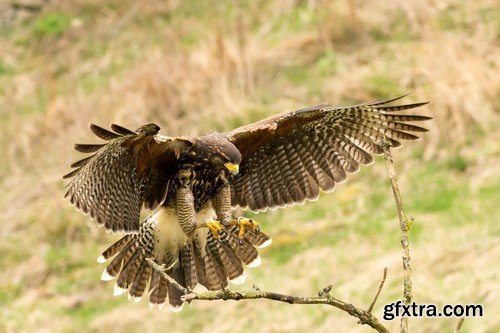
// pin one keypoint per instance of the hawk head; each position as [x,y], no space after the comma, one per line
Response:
[219,152]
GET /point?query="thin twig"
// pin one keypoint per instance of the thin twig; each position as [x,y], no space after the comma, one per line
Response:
[381,285]
[324,297]
[161,269]
[405,225]
[459,325]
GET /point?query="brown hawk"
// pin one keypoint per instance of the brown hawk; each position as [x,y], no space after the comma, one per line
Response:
[193,183]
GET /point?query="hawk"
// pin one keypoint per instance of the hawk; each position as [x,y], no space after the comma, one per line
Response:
[192,183]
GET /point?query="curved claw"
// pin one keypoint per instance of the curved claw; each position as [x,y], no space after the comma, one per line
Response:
[214,226]
[245,223]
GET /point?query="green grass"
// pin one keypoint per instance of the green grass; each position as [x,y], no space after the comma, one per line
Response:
[51,24]
[83,315]
[384,86]
[5,69]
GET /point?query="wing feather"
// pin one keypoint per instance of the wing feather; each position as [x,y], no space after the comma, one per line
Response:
[279,175]
[103,133]
[289,157]
[121,130]
[86,148]
[129,171]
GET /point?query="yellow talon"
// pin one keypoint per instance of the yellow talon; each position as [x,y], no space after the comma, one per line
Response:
[214,226]
[245,223]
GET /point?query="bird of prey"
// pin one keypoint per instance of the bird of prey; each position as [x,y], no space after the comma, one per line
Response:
[192,183]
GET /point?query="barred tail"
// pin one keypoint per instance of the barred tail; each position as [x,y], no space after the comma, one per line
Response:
[203,260]
[129,263]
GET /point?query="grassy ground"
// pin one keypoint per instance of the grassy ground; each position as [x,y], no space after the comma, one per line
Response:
[193,67]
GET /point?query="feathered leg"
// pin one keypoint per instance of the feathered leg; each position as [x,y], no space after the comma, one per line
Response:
[222,206]
[187,214]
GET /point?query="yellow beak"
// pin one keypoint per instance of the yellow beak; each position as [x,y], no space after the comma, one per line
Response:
[233,168]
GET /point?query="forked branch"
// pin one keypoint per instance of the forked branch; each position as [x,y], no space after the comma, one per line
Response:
[324,297]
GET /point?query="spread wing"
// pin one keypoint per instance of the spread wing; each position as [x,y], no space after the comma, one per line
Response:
[130,170]
[289,157]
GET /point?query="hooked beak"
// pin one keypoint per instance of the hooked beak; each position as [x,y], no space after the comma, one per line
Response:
[233,168]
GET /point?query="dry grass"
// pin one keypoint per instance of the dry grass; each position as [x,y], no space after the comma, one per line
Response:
[192,68]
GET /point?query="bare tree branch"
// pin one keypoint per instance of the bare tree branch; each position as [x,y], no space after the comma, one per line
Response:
[324,297]
[405,225]
[381,285]
[459,325]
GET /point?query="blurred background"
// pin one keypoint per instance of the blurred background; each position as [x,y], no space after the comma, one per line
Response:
[195,66]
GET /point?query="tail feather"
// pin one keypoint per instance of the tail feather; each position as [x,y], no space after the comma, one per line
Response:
[174,294]
[115,248]
[153,285]
[116,264]
[213,281]
[159,287]
[129,263]
[207,261]
[257,238]
[242,248]
[130,269]
[141,280]
[226,258]
[216,259]
[200,263]
[188,264]
[162,292]
[237,275]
